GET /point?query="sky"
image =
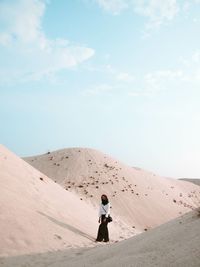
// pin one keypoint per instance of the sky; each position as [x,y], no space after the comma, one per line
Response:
[120,76]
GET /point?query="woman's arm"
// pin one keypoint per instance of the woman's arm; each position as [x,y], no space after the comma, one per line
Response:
[108,210]
[99,211]
[99,214]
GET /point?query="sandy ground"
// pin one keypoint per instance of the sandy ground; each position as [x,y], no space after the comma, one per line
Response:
[38,215]
[173,244]
[139,198]
[54,220]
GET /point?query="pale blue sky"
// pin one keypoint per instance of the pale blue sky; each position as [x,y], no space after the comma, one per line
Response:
[121,76]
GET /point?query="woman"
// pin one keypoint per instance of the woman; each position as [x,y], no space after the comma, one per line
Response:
[104,211]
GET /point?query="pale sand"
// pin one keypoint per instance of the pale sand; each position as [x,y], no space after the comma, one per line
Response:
[139,198]
[173,244]
[38,215]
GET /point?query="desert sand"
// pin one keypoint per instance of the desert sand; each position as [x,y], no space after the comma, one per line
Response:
[139,198]
[53,221]
[173,244]
[37,215]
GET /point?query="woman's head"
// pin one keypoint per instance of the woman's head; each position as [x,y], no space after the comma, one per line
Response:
[104,199]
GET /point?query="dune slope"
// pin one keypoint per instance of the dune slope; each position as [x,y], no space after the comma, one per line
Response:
[194,181]
[38,215]
[174,244]
[139,198]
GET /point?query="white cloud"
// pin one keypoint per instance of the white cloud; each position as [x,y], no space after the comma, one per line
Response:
[163,74]
[160,80]
[100,89]
[113,6]
[125,77]
[5,39]
[151,83]
[139,93]
[157,11]
[196,56]
[24,37]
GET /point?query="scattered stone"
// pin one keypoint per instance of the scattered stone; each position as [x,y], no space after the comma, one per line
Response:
[58,236]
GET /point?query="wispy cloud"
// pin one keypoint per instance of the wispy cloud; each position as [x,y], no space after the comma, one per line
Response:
[157,12]
[152,83]
[125,77]
[113,6]
[115,73]
[23,36]
[100,89]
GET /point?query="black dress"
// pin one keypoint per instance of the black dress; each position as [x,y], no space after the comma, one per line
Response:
[103,234]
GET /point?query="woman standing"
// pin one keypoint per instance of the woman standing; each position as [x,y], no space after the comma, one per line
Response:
[104,211]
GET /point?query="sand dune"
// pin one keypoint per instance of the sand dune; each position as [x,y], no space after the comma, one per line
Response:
[173,244]
[43,215]
[36,214]
[194,181]
[39,215]
[139,198]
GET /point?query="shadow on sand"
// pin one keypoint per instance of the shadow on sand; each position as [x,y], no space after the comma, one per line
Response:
[67,226]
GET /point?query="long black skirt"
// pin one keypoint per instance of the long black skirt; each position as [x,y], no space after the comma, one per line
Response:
[103,234]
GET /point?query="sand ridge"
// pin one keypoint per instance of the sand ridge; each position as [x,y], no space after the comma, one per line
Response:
[139,198]
[39,214]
